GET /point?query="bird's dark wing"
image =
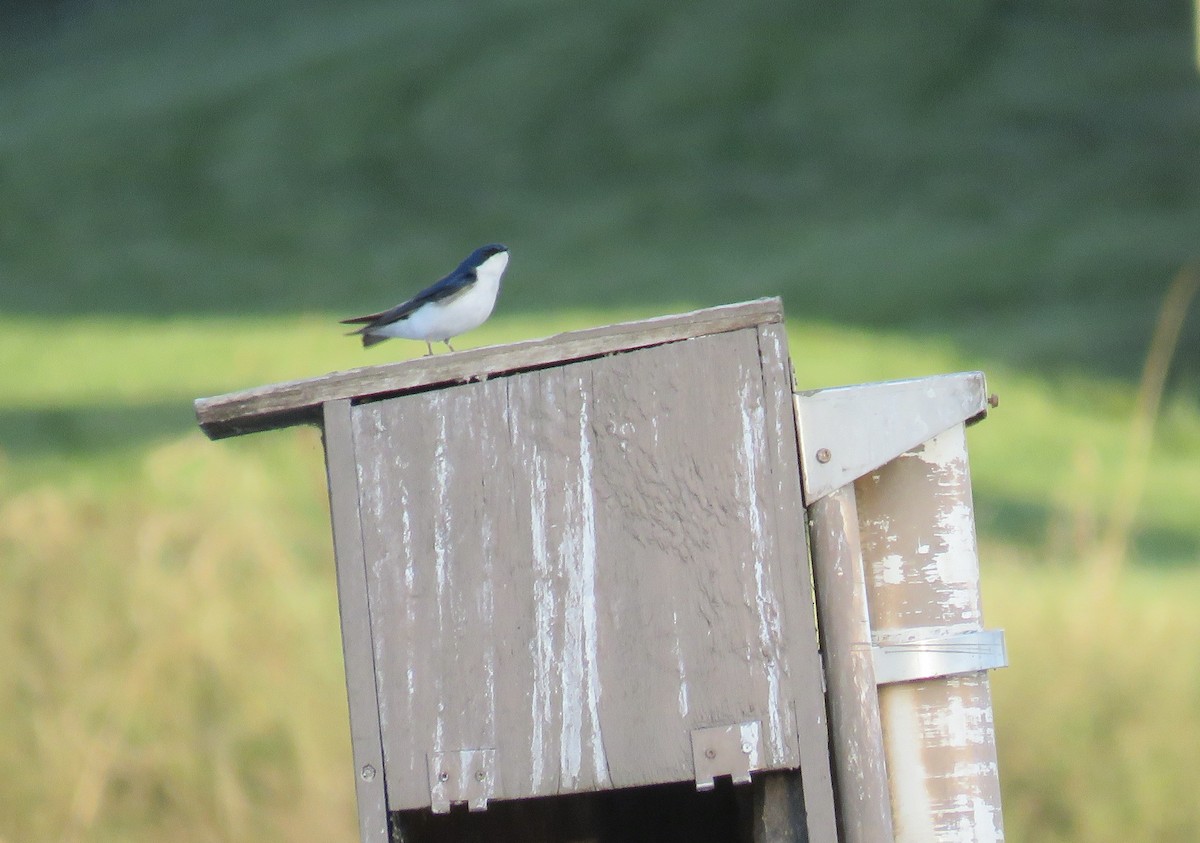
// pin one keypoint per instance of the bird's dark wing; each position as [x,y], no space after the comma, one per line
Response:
[444,290]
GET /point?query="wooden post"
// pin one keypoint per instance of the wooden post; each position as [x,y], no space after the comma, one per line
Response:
[897,576]
[864,810]
[922,563]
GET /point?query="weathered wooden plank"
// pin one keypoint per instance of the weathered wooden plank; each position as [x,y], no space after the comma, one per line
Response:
[787,520]
[433,498]
[353,607]
[555,597]
[680,472]
[298,402]
[863,799]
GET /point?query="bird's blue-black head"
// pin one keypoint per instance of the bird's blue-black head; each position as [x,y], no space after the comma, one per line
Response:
[481,254]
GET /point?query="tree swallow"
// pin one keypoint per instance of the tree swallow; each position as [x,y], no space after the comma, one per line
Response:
[460,302]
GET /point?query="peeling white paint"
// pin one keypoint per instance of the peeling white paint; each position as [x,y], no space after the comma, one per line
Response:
[544,673]
[954,567]
[956,724]
[410,605]
[959,562]
[410,570]
[946,451]
[889,570]
[486,609]
[441,541]
[677,648]
[987,825]
[975,769]
[753,449]
[581,664]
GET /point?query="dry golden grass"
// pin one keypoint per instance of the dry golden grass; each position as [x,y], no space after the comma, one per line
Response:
[1098,717]
[172,653]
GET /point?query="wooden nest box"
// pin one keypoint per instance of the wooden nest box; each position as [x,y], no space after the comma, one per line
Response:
[569,565]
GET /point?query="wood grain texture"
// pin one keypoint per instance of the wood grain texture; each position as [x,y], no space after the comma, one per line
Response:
[576,566]
[790,527]
[779,814]
[299,402]
[353,606]
[863,797]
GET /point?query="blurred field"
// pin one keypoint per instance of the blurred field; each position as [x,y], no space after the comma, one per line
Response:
[191,194]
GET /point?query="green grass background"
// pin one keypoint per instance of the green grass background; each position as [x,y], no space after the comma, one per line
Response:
[191,194]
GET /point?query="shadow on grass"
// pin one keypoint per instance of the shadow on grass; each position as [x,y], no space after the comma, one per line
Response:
[1027,524]
[91,431]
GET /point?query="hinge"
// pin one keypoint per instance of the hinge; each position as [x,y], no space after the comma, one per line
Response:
[732,751]
[465,775]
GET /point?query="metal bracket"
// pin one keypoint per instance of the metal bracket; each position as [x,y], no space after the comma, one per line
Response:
[911,655]
[726,751]
[848,431]
[465,775]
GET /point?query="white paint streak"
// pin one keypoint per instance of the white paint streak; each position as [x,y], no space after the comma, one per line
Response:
[406,599]
[956,725]
[409,558]
[975,769]
[889,570]
[955,566]
[544,672]
[441,539]
[486,609]
[677,647]
[581,665]
[768,611]
[986,826]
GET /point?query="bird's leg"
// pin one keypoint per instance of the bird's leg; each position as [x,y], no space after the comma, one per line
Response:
[448,345]
[430,347]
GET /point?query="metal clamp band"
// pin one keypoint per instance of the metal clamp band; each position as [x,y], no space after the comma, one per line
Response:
[899,656]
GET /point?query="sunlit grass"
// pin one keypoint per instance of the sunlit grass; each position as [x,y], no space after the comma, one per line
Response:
[1097,717]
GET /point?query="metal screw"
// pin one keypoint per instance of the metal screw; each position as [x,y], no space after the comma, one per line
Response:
[823,455]
[710,753]
[993,400]
[443,776]
[480,775]
[367,773]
